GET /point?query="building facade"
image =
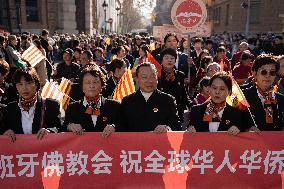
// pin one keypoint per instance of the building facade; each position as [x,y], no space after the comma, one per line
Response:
[66,16]
[231,16]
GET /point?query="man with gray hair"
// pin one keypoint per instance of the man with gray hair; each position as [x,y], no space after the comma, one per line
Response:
[148,109]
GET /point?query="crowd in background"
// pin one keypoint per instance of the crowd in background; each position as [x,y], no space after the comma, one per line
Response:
[188,79]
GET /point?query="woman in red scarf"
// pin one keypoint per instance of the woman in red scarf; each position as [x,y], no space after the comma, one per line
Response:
[172,80]
[215,114]
[31,114]
[266,105]
[94,113]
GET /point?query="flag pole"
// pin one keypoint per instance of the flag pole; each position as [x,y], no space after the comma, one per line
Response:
[243,96]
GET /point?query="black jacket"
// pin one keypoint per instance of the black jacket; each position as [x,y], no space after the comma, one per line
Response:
[110,87]
[137,115]
[13,116]
[10,94]
[76,92]
[67,71]
[258,111]
[231,117]
[175,88]
[75,113]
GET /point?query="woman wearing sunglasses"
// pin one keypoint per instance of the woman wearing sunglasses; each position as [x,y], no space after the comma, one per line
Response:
[266,106]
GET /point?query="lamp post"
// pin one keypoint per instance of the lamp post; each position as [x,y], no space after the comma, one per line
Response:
[18,14]
[105,5]
[118,17]
[247,6]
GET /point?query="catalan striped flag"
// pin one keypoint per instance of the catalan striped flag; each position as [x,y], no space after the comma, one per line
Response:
[65,87]
[33,55]
[237,98]
[50,90]
[124,87]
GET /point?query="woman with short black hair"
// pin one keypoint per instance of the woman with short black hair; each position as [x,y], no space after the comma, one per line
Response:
[172,80]
[31,114]
[116,69]
[215,114]
[266,105]
[94,113]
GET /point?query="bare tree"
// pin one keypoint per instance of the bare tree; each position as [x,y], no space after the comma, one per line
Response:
[131,11]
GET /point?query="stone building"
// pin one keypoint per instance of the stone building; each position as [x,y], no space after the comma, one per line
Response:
[231,15]
[66,16]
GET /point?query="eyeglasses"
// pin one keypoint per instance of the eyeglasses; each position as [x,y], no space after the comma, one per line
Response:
[265,72]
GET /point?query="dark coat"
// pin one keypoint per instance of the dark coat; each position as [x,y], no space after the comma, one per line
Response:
[137,115]
[175,88]
[67,71]
[231,117]
[258,111]
[10,94]
[182,63]
[75,113]
[13,120]
[76,92]
[110,87]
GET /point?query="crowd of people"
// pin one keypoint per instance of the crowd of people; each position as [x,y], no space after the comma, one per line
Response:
[188,91]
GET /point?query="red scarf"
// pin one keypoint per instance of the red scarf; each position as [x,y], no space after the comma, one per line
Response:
[212,111]
[28,103]
[169,76]
[268,102]
[92,107]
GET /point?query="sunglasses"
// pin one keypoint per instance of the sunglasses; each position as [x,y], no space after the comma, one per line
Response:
[265,72]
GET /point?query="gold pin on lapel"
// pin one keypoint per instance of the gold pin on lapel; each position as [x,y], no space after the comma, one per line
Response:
[104,119]
[155,110]
[228,122]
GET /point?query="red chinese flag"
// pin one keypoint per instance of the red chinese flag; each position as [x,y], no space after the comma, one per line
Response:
[152,60]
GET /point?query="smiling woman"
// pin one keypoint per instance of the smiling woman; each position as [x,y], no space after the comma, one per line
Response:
[266,105]
[94,113]
[31,114]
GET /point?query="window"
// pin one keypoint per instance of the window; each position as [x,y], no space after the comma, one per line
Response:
[32,10]
[3,12]
[255,11]
[217,15]
[227,14]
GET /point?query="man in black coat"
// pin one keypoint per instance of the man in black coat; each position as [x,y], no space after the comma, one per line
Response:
[148,109]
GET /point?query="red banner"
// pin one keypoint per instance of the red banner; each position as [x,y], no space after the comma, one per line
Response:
[143,160]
